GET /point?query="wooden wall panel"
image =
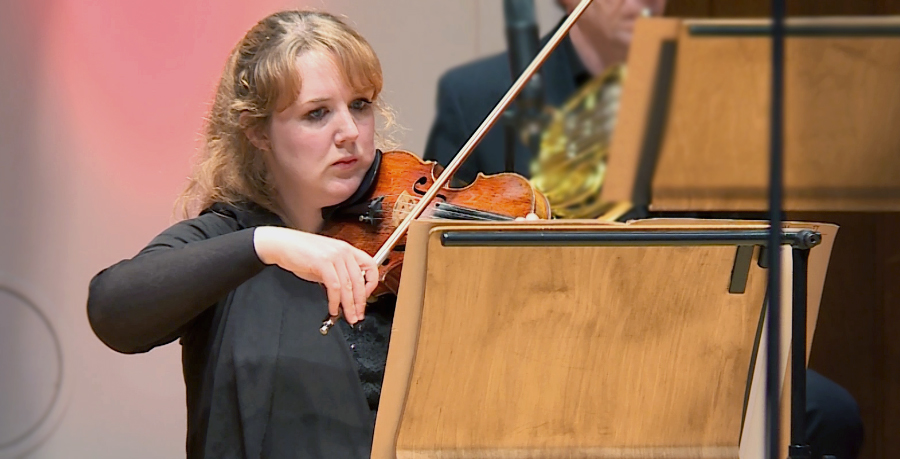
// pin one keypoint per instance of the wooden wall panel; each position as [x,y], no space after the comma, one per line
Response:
[757,8]
[883,7]
[826,7]
[887,275]
[689,8]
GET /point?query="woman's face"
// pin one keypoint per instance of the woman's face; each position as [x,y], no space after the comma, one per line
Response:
[614,19]
[321,146]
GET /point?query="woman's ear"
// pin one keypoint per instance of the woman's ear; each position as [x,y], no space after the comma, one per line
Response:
[257,136]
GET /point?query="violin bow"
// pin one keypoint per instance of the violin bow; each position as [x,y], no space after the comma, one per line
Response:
[470,145]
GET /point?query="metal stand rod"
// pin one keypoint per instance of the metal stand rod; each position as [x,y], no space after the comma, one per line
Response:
[798,448]
[509,133]
[773,427]
[589,238]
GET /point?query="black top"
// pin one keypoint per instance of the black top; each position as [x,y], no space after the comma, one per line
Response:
[468,93]
[260,378]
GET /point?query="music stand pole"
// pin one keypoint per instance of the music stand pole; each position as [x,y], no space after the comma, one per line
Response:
[774,252]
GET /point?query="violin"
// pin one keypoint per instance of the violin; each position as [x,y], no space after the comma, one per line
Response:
[397,181]
[399,188]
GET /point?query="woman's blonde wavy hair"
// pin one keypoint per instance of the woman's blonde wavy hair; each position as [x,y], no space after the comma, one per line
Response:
[259,79]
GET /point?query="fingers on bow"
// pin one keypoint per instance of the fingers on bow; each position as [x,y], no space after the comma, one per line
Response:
[369,270]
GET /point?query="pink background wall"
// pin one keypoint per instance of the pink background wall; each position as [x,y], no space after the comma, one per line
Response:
[100,114]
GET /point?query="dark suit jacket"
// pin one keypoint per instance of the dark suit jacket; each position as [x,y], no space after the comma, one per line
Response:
[468,93]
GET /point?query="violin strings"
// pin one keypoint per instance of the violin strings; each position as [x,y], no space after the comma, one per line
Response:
[444,209]
[447,207]
[452,212]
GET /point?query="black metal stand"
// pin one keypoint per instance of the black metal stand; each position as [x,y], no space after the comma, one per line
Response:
[801,243]
[801,239]
[510,131]
[798,448]
[521,123]
[525,119]
[773,421]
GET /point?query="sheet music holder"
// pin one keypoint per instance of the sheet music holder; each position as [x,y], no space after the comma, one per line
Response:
[693,124]
[695,118]
[544,343]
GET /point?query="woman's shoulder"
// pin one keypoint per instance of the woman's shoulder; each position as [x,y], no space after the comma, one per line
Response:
[240,215]
[218,219]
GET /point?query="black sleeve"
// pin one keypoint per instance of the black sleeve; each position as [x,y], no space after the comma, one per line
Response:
[147,301]
[449,132]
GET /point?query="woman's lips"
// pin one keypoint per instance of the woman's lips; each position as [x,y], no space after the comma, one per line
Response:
[345,163]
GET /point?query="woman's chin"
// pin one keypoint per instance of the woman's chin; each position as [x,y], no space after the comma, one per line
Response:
[341,191]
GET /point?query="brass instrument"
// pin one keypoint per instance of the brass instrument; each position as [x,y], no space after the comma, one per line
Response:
[571,162]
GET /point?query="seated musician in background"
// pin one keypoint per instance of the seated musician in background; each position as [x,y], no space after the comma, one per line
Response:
[598,42]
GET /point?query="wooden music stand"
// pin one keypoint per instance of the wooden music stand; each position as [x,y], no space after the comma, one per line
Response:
[692,136]
[583,339]
[693,131]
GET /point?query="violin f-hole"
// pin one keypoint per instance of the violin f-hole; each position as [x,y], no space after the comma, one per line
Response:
[421,181]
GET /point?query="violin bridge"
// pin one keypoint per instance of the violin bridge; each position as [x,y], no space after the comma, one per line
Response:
[404,205]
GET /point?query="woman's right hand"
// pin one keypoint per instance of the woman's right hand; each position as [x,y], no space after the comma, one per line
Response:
[348,274]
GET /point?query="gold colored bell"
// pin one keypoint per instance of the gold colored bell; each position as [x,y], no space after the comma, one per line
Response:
[571,163]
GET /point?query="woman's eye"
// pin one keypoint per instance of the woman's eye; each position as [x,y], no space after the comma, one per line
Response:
[360,104]
[316,114]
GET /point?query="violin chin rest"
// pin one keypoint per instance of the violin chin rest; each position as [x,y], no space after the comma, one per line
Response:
[365,186]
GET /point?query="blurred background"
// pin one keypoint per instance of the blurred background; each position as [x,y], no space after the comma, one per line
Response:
[101,107]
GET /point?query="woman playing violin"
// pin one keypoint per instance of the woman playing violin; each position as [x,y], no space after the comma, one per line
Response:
[291,132]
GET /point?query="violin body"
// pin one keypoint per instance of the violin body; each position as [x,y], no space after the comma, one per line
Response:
[400,180]
[375,219]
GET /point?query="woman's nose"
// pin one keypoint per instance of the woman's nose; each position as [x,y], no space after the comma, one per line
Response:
[348,131]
